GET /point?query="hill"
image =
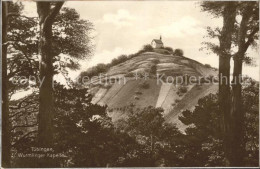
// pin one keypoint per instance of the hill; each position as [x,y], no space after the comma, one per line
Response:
[126,89]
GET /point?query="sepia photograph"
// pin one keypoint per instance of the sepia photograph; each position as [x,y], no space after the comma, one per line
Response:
[128,83]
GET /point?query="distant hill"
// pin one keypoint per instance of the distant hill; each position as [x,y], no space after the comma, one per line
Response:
[143,93]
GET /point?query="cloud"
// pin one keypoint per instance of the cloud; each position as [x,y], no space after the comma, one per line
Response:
[121,18]
[185,26]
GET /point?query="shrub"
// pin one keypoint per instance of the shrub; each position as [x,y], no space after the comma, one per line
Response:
[207,65]
[155,61]
[119,60]
[177,100]
[153,69]
[166,52]
[108,86]
[169,49]
[138,92]
[178,52]
[144,85]
[148,48]
[199,87]
[95,71]
[130,74]
[136,98]
[183,89]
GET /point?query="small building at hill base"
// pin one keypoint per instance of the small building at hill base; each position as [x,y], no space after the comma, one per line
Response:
[157,43]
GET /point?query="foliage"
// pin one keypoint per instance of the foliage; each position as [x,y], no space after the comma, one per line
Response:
[153,69]
[207,66]
[147,48]
[183,89]
[69,46]
[144,85]
[159,142]
[204,146]
[169,49]
[86,134]
[83,131]
[178,52]
[118,60]
[96,71]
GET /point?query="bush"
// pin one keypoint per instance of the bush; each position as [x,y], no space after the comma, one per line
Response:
[130,74]
[155,61]
[178,52]
[183,89]
[95,71]
[136,98]
[144,85]
[108,86]
[138,92]
[166,52]
[169,49]
[207,65]
[119,60]
[148,48]
[177,100]
[153,69]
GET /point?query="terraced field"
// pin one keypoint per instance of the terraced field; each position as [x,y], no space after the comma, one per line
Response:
[167,96]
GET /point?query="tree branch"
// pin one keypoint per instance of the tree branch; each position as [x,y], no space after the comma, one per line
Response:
[55,10]
[23,137]
[251,38]
[29,125]
[12,14]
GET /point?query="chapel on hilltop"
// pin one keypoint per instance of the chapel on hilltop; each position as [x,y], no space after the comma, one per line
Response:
[157,43]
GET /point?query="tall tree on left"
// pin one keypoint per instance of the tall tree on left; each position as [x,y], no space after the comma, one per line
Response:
[6,143]
[47,11]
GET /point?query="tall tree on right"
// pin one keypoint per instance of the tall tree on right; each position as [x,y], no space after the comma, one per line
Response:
[226,10]
[241,34]
[246,34]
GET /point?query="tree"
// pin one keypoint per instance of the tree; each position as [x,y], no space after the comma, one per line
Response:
[246,34]
[47,14]
[203,142]
[147,48]
[178,52]
[232,33]
[160,142]
[169,49]
[23,35]
[6,154]
[227,10]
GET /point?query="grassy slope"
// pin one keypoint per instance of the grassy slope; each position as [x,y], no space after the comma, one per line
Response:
[99,95]
[189,101]
[164,91]
[120,95]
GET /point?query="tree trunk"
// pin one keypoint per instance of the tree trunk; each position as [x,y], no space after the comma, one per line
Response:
[6,142]
[46,74]
[237,115]
[45,129]
[229,15]
[46,19]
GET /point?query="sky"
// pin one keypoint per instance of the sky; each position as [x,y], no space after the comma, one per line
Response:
[123,27]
